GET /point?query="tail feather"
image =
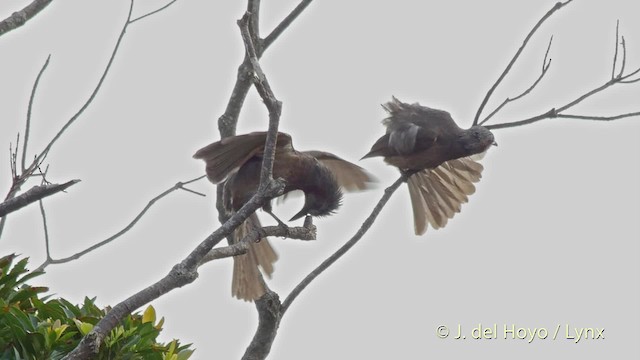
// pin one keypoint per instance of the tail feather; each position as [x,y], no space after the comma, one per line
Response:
[438,194]
[247,283]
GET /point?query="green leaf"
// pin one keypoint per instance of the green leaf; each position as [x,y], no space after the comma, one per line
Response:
[185,354]
[149,315]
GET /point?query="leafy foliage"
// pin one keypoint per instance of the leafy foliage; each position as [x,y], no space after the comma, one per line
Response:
[35,327]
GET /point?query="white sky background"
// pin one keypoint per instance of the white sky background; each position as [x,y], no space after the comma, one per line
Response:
[550,237]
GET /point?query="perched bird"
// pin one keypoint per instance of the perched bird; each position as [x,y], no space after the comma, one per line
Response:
[428,144]
[238,160]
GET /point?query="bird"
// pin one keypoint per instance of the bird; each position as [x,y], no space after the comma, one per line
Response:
[437,156]
[237,161]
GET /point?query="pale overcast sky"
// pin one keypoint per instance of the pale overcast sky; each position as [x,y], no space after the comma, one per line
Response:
[550,238]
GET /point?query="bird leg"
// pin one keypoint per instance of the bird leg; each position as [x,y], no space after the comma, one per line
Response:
[267,208]
[406,173]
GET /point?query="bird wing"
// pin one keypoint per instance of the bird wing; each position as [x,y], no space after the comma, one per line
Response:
[438,194]
[412,128]
[225,156]
[350,177]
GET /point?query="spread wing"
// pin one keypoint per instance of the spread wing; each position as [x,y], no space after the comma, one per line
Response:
[438,194]
[350,177]
[224,157]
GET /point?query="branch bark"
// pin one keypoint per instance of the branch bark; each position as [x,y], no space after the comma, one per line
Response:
[20,17]
[32,195]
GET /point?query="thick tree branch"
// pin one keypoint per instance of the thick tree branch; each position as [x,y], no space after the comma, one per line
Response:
[555,8]
[181,274]
[308,232]
[227,122]
[32,195]
[20,17]
[186,271]
[274,106]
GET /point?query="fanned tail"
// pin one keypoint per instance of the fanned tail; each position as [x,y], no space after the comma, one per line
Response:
[247,283]
[438,194]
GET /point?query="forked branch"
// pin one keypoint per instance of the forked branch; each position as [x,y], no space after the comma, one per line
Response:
[617,77]
[555,8]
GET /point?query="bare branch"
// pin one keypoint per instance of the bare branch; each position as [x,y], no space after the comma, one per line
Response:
[545,67]
[181,274]
[555,8]
[624,56]
[178,186]
[553,113]
[32,195]
[29,109]
[153,12]
[46,230]
[285,23]
[348,245]
[20,17]
[27,172]
[558,112]
[186,271]
[227,122]
[308,232]
[269,315]
[615,53]
[86,104]
[264,89]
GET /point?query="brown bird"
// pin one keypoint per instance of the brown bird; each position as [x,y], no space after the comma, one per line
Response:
[238,160]
[428,144]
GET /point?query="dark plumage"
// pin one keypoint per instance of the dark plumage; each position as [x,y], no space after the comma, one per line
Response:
[238,160]
[428,142]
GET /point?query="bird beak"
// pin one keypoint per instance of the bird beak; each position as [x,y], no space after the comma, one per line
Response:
[299,215]
[495,143]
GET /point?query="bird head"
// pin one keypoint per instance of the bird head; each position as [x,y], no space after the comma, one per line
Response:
[322,196]
[477,139]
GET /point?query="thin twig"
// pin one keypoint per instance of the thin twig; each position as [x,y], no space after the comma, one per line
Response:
[29,109]
[46,231]
[285,23]
[545,67]
[86,104]
[153,12]
[348,245]
[555,8]
[558,112]
[131,224]
[615,53]
[624,56]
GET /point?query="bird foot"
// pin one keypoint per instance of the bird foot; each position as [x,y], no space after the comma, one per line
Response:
[406,174]
[280,222]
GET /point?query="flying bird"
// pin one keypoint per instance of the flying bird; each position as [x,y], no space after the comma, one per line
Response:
[237,160]
[439,155]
